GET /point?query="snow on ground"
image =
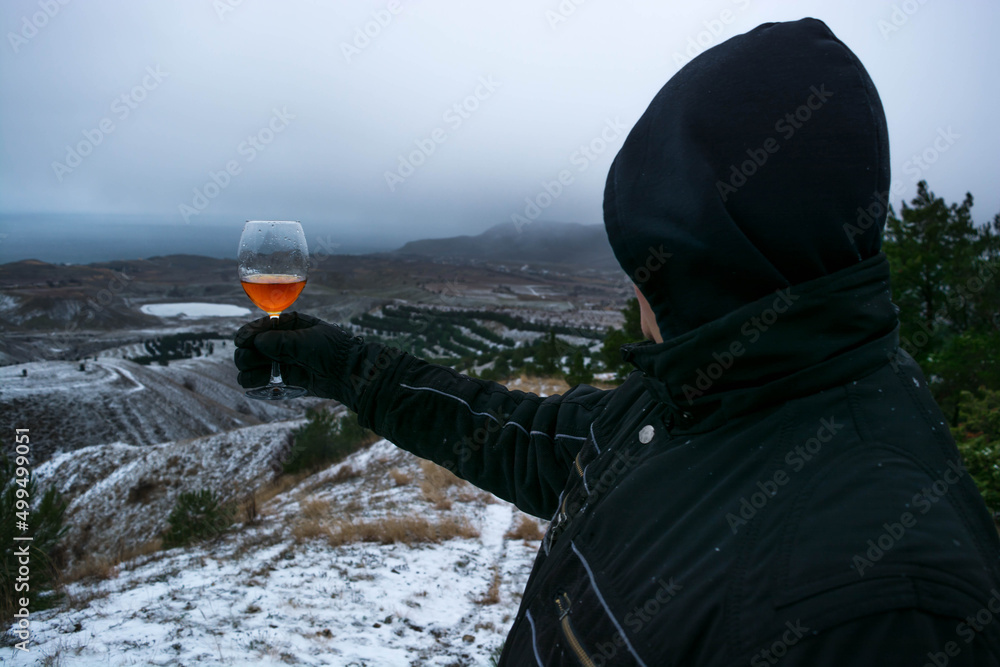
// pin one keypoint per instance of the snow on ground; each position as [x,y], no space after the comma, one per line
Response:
[277,592]
[194,309]
[120,495]
[113,399]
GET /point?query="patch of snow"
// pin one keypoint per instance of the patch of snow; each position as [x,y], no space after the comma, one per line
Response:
[194,309]
[259,597]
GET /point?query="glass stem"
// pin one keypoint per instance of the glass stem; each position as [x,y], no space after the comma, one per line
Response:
[275,369]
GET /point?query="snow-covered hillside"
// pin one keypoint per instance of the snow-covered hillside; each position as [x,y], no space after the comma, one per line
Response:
[119,495]
[113,399]
[296,587]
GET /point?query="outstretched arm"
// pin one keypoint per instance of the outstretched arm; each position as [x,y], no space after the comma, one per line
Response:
[514,444]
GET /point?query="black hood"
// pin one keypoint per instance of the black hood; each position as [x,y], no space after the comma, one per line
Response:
[740,177]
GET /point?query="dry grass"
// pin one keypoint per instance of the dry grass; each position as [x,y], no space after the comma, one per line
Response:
[319,518]
[344,474]
[310,529]
[314,520]
[408,530]
[101,568]
[255,540]
[249,509]
[316,509]
[492,594]
[95,568]
[526,529]
[399,477]
[473,495]
[436,482]
[547,385]
[279,486]
[437,477]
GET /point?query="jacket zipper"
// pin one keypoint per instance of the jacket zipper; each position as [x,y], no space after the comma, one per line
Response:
[563,604]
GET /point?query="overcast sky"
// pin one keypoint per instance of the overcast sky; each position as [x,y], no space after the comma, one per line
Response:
[131,106]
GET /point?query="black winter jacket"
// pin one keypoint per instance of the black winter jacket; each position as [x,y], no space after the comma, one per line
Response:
[773,483]
[822,518]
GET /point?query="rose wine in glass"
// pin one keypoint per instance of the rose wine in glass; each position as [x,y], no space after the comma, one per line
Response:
[273,262]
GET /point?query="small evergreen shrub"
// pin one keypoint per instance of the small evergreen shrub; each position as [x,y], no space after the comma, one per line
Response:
[978,438]
[197,516]
[325,440]
[44,521]
[579,373]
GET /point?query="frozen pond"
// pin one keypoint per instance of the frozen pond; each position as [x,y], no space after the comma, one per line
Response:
[194,309]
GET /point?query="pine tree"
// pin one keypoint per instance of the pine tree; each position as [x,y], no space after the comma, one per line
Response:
[630,332]
[945,273]
[579,373]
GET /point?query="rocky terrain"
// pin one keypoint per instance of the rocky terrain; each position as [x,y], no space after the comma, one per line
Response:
[122,371]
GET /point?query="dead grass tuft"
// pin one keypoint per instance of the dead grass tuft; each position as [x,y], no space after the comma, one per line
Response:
[316,509]
[436,482]
[437,477]
[249,509]
[346,473]
[255,540]
[492,594]
[526,529]
[279,486]
[399,477]
[102,568]
[408,530]
[309,530]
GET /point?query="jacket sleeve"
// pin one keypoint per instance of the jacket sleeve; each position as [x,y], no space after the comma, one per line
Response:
[514,444]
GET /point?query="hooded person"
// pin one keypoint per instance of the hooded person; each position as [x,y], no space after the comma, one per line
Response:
[773,482]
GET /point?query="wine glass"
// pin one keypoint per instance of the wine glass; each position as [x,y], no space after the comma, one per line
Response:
[273,260]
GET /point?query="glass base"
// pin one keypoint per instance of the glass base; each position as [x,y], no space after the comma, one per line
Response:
[276,392]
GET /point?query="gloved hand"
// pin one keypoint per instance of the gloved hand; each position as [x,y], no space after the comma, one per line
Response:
[321,357]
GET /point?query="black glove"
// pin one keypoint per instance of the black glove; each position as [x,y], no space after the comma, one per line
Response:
[321,357]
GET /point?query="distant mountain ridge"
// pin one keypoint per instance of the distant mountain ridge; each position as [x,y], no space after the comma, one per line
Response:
[554,243]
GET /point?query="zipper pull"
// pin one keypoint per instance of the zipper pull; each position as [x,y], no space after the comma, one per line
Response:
[560,602]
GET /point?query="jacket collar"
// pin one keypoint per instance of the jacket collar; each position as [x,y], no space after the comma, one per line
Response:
[796,341]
